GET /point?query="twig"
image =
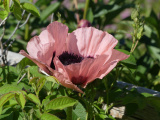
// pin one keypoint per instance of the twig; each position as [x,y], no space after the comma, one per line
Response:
[5,52]
[3,21]
[2,44]
[134,46]
[26,20]
[21,78]
[14,29]
[8,15]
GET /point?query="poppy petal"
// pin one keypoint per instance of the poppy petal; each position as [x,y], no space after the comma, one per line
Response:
[59,33]
[111,63]
[42,47]
[65,81]
[90,41]
[40,64]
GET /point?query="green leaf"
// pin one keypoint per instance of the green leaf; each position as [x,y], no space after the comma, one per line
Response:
[130,60]
[3,12]
[40,84]
[34,71]
[60,103]
[154,101]
[37,83]
[33,98]
[6,5]
[109,8]
[146,94]
[90,16]
[6,97]
[49,10]
[48,116]
[79,112]
[17,10]
[31,9]
[52,79]
[23,63]
[8,88]
[20,98]
[130,63]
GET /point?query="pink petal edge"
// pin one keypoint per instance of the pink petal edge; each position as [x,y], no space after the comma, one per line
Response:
[90,41]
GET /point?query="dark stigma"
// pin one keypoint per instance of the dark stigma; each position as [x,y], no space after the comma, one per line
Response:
[69,58]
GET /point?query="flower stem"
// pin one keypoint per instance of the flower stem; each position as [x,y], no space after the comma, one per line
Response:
[86,9]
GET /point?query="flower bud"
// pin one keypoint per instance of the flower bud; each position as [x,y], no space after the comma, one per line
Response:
[84,23]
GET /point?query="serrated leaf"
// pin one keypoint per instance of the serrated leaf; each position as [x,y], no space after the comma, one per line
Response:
[52,79]
[20,98]
[23,63]
[34,71]
[33,80]
[60,103]
[79,112]
[49,10]
[6,5]
[90,16]
[31,9]
[16,2]
[48,116]
[40,84]
[8,88]
[3,12]
[17,10]
[6,97]
[33,98]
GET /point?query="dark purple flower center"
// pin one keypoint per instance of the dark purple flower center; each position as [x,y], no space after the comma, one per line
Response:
[69,58]
[78,81]
[52,64]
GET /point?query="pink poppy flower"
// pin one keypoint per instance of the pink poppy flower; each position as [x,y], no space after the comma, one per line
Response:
[76,58]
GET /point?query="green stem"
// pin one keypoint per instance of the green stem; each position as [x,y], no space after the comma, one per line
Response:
[108,90]
[26,31]
[69,113]
[86,9]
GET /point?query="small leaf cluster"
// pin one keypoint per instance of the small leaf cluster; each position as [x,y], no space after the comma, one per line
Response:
[16,7]
[138,24]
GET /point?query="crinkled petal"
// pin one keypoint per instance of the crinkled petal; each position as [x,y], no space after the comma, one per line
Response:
[111,63]
[79,69]
[39,63]
[65,82]
[42,47]
[82,73]
[90,41]
[59,33]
